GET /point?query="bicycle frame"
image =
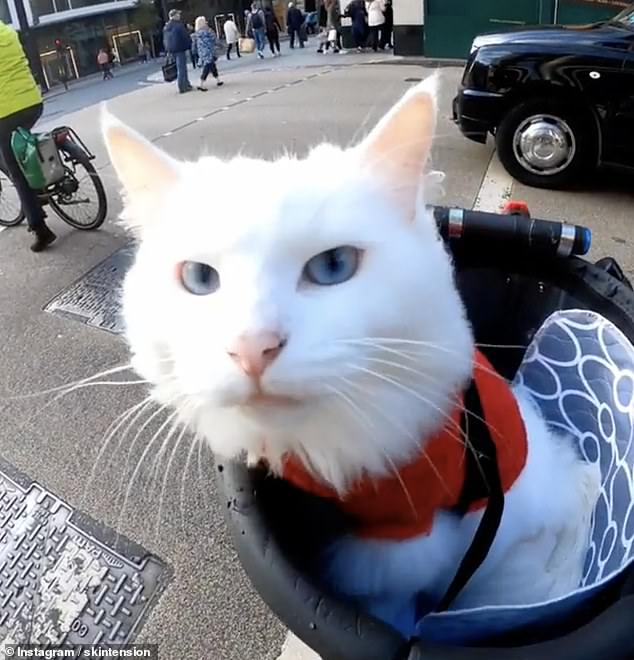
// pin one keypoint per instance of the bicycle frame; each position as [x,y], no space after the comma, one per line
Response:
[65,135]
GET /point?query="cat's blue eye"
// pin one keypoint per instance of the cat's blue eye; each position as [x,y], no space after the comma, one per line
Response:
[333,266]
[198,278]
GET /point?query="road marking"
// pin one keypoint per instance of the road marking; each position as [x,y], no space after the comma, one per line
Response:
[495,188]
[235,103]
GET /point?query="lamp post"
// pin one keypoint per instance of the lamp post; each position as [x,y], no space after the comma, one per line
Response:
[29,43]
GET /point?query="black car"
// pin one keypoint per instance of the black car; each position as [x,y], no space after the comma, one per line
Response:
[558,99]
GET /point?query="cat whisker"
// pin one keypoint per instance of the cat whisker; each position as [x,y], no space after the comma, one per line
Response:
[166,476]
[139,464]
[379,341]
[156,463]
[201,447]
[411,391]
[417,372]
[522,347]
[108,437]
[371,427]
[145,424]
[59,388]
[195,441]
[399,427]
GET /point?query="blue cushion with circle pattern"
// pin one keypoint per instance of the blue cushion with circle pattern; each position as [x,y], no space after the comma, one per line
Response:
[580,370]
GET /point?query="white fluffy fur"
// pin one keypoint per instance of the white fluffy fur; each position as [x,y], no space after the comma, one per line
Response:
[267,219]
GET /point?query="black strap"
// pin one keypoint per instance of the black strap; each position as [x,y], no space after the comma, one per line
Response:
[482,479]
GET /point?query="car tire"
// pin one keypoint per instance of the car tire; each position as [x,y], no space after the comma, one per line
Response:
[544,144]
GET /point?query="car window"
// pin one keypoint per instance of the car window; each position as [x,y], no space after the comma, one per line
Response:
[625,18]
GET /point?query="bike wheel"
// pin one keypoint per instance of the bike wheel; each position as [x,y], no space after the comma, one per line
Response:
[83,206]
[11,213]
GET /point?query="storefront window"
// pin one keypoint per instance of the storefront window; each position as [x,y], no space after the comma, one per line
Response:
[42,7]
[5,16]
[85,37]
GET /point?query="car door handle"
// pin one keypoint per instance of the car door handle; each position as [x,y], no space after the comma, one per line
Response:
[502,20]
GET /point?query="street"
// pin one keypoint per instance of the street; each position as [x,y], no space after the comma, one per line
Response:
[207,608]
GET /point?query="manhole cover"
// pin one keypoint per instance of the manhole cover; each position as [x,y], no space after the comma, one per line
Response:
[94,299]
[59,580]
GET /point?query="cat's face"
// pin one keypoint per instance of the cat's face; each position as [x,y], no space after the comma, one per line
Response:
[296,305]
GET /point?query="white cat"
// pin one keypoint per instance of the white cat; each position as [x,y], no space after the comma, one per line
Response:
[320,321]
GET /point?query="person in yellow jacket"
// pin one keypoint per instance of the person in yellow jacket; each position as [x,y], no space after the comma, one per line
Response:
[20,106]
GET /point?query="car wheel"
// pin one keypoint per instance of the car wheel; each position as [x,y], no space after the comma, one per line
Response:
[543,144]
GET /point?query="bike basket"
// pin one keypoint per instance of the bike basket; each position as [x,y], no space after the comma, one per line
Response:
[569,312]
[37,157]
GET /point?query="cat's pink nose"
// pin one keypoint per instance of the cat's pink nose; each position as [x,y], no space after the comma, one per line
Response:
[255,353]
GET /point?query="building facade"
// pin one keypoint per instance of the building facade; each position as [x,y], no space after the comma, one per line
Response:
[68,34]
[445,28]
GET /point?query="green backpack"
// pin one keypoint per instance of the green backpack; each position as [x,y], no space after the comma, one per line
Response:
[37,157]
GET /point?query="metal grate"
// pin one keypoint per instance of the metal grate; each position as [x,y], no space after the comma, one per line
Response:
[94,299]
[60,582]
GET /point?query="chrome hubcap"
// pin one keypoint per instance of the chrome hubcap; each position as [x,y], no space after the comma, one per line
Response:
[544,144]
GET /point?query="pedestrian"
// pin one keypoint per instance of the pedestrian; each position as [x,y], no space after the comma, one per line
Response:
[177,42]
[232,37]
[273,28]
[141,52]
[388,26]
[257,26]
[247,21]
[193,52]
[20,106]
[206,40]
[333,23]
[103,60]
[295,24]
[376,20]
[322,34]
[356,10]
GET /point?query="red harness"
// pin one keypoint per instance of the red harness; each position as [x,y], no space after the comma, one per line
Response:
[404,507]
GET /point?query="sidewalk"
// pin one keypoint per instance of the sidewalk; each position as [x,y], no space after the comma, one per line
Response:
[85,81]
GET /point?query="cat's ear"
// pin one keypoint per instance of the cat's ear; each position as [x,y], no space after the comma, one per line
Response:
[397,149]
[145,172]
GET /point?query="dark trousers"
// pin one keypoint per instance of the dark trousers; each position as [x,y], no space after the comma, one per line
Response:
[274,40]
[230,46]
[291,35]
[373,38]
[386,36]
[107,73]
[30,204]
[359,38]
[208,68]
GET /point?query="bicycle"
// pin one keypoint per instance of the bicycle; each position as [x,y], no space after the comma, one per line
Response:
[67,193]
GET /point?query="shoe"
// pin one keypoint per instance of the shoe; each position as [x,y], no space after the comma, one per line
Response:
[200,88]
[219,83]
[43,238]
